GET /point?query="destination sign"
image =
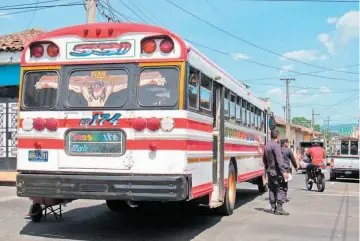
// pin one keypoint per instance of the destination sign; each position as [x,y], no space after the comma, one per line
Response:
[95,143]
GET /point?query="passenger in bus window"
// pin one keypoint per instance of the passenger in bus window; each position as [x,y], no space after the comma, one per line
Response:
[193,90]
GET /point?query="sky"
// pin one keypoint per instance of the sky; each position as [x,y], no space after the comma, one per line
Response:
[325,35]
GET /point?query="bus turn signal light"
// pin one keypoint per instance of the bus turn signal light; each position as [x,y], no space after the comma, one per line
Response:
[149,46]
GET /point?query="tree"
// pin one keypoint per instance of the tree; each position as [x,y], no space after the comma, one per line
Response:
[302,121]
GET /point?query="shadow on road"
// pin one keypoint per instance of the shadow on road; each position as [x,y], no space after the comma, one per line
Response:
[158,222]
[345,180]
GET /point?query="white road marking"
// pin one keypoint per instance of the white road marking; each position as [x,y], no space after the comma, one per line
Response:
[334,195]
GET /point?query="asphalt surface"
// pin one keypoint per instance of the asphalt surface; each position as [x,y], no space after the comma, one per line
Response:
[331,215]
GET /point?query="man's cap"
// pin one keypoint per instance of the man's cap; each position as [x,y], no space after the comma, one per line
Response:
[284,140]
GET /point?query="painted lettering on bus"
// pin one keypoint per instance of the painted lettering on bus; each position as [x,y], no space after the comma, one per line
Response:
[100,119]
[100,49]
[233,133]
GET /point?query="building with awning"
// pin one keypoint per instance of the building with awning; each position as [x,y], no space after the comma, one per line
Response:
[11,47]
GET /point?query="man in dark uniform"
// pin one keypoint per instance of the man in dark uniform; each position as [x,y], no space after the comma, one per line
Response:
[288,157]
[276,172]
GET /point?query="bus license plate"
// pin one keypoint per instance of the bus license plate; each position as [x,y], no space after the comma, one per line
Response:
[347,172]
[38,156]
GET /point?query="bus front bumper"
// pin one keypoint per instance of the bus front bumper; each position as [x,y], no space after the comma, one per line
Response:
[119,187]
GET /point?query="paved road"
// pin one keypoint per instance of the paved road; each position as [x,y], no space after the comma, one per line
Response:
[332,215]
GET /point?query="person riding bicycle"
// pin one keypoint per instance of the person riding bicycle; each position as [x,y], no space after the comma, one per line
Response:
[316,155]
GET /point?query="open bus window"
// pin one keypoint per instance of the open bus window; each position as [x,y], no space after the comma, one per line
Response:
[193,90]
[40,89]
[226,105]
[158,87]
[232,108]
[98,88]
[244,112]
[354,148]
[206,94]
[344,148]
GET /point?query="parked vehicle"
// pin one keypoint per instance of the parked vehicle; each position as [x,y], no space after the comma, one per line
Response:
[346,162]
[131,113]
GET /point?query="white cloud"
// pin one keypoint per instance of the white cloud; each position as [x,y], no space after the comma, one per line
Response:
[347,27]
[323,57]
[325,39]
[240,56]
[302,55]
[331,20]
[5,15]
[275,91]
[324,89]
[286,68]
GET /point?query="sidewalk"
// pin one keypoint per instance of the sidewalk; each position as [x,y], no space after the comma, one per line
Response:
[8,177]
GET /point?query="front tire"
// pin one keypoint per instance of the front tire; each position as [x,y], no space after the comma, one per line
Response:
[332,176]
[117,205]
[228,206]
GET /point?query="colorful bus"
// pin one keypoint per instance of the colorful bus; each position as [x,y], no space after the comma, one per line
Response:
[130,113]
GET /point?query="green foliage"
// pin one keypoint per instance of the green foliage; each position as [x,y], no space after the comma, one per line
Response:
[302,121]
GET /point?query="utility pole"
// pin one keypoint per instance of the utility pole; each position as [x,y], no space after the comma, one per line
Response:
[287,107]
[326,131]
[313,114]
[91,11]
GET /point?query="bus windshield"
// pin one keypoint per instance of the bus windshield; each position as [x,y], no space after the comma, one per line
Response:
[103,87]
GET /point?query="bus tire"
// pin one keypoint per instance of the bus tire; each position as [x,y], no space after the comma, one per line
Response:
[230,193]
[117,205]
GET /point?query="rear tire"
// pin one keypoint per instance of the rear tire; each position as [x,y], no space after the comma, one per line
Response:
[230,194]
[332,176]
[262,188]
[321,182]
[36,212]
[308,186]
[117,205]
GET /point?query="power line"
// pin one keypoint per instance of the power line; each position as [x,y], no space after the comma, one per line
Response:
[309,1]
[133,11]
[26,4]
[269,66]
[31,19]
[127,18]
[250,43]
[142,13]
[42,8]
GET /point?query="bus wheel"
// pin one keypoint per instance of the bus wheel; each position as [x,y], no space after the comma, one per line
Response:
[230,194]
[117,205]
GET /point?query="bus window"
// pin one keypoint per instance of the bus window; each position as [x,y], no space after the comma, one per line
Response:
[248,114]
[206,94]
[262,121]
[232,108]
[193,89]
[244,112]
[226,105]
[252,109]
[97,88]
[238,111]
[354,148]
[257,118]
[345,148]
[40,89]
[158,86]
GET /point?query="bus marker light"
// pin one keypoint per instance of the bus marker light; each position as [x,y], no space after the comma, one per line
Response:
[166,46]
[52,50]
[28,124]
[37,51]
[149,46]
[52,124]
[167,124]
[153,124]
[139,124]
[39,124]
[152,147]
[98,31]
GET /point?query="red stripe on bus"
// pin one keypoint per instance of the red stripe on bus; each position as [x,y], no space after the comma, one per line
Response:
[250,175]
[202,190]
[127,123]
[188,145]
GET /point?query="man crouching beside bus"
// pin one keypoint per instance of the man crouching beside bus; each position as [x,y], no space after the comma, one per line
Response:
[277,173]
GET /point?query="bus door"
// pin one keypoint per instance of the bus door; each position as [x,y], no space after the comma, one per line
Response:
[218,142]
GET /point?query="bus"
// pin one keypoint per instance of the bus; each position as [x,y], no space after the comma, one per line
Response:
[131,113]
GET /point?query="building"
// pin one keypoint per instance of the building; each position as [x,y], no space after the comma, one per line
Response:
[356,132]
[11,47]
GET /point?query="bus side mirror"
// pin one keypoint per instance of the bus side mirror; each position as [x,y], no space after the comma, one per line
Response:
[272,123]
